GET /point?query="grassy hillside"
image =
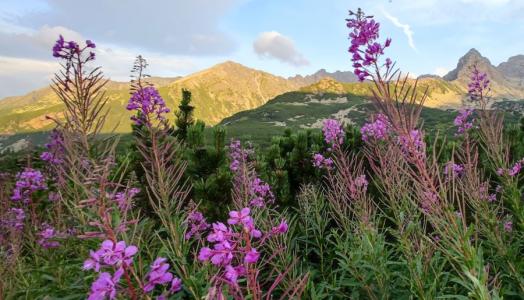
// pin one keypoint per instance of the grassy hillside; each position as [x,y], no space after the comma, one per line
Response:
[303,110]
[218,92]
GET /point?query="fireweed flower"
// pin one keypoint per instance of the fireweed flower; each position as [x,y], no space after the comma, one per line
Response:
[47,236]
[55,149]
[281,228]
[196,224]
[28,182]
[463,121]
[111,254]
[412,144]
[320,162]
[260,193]
[377,130]
[159,275]
[452,170]
[105,286]
[364,48]
[333,132]
[508,226]
[478,86]
[124,199]
[11,222]
[149,104]
[237,155]
[228,252]
[515,170]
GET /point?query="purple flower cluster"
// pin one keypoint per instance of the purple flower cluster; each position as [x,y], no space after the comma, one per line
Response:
[196,223]
[124,199]
[478,86]
[453,170]
[112,254]
[17,218]
[28,182]
[513,171]
[238,155]
[159,275]
[67,50]
[320,162]
[412,144]
[12,221]
[105,286]
[148,102]
[484,192]
[47,237]
[364,48]
[463,121]
[233,251]
[508,226]
[333,132]
[55,149]
[261,193]
[376,130]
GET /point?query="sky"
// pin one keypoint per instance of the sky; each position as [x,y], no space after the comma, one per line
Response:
[283,37]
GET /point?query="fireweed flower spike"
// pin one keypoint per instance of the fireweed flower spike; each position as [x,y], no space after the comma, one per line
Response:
[333,133]
[377,130]
[463,121]
[111,254]
[105,286]
[149,106]
[55,149]
[235,247]
[159,275]
[364,49]
[28,182]
[478,87]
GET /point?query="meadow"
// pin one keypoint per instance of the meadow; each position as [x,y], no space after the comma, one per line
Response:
[398,208]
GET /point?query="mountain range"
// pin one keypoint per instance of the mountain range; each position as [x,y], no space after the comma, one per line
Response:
[230,88]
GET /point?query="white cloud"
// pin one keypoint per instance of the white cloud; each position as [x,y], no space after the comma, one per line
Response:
[26,62]
[275,45]
[405,28]
[164,26]
[441,71]
[19,75]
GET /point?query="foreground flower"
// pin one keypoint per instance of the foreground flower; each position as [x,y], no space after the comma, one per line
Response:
[364,48]
[55,149]
[47,235]
[376,130]
[333,133]
[452,170]
[463,121]
[105,286]
[196,223]
[320,162]
[28,182]
[158,275]
[111,254]
[478,87]
[149,105]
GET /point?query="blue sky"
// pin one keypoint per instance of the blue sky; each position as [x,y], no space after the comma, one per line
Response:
[284,37]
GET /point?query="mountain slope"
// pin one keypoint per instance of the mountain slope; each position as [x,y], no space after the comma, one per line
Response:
[218,92]
[228,88]
[340,76]
[502,86]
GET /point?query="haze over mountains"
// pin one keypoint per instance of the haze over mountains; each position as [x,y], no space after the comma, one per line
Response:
[228,88]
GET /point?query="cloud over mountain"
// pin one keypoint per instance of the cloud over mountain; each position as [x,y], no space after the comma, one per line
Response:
[275,45]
